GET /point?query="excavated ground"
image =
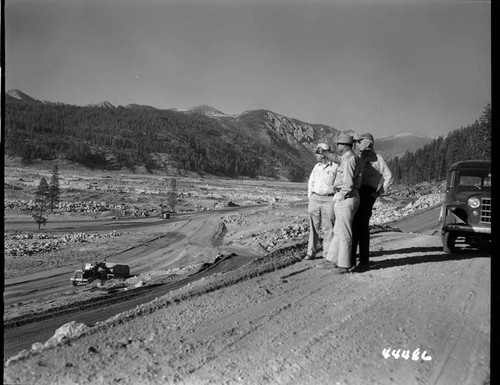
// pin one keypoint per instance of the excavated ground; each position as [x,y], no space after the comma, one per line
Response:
[417,317]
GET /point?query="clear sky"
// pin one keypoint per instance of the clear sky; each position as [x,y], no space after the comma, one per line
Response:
[380,66]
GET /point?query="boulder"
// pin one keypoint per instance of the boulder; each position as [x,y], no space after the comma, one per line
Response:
[68,330]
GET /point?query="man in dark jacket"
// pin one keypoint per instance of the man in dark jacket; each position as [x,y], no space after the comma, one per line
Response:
[376,178]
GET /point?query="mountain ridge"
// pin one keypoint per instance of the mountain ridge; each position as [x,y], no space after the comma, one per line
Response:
[201,139]
[399,144]
[103,104]
[281,146]
[204,110]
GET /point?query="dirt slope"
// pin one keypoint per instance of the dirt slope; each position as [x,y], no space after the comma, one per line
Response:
[299,325]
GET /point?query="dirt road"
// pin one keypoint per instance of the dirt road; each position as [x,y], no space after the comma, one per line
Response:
[417,317]
[185,236]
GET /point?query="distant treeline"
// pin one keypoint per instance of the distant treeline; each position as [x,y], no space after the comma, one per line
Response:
[129,137]
[432,161]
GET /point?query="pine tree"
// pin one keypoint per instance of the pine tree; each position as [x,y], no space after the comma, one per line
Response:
[54,191]
[172,194]
[485,132]
[41,198]
[26,154]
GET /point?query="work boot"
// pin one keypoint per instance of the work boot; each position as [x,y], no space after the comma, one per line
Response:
[326,264]
[362,266]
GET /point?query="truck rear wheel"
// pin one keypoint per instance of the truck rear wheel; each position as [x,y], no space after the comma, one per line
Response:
[449,239]
[103,275]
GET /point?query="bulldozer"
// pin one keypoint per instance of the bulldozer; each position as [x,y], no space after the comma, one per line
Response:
[99,270]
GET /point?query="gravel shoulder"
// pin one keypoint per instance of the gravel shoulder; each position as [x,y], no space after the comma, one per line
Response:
[298,325]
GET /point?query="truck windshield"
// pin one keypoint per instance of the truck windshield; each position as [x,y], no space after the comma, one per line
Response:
[475,180]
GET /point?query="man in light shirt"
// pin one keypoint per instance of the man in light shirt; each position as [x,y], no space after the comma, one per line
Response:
[320,193]
[376,178]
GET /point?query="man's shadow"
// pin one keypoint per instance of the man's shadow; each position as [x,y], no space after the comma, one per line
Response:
[405,251]
[461,254]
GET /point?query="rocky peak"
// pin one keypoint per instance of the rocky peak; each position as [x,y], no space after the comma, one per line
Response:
[104,104]
[207,111]
[17,94]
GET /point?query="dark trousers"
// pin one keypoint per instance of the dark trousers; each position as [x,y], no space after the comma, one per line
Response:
[361,225]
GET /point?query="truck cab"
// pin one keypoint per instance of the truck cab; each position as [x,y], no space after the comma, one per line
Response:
[466,210]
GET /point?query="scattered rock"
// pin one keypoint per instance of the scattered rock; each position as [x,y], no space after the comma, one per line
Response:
[93,350]
[68,330]
[37,346]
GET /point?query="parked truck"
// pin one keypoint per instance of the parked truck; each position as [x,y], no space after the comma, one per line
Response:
[466,210]
[99,270]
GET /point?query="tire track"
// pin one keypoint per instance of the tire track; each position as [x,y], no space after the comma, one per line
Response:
[18,332]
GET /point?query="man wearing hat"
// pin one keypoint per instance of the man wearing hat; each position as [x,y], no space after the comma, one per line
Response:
[320,192]
[345,204]
[376,178]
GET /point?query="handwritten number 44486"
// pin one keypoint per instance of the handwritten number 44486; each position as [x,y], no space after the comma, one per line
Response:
[406,354]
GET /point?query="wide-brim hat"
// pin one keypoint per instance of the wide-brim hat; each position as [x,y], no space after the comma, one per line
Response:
[344,139]
[366,136]
[323,146]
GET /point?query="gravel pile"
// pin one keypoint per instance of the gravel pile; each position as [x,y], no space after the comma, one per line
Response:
[82,207]
[385,211]
[27,244]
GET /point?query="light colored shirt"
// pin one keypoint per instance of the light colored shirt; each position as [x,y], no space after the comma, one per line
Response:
[375,172]
[322,178]
[348,175]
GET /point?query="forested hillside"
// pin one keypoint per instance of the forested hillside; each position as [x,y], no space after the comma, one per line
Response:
[257,143]
[157,139]
[432,161]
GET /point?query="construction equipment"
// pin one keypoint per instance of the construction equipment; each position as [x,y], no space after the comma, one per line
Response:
[100,270]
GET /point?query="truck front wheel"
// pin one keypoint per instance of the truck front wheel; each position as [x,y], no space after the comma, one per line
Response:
[449,239]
